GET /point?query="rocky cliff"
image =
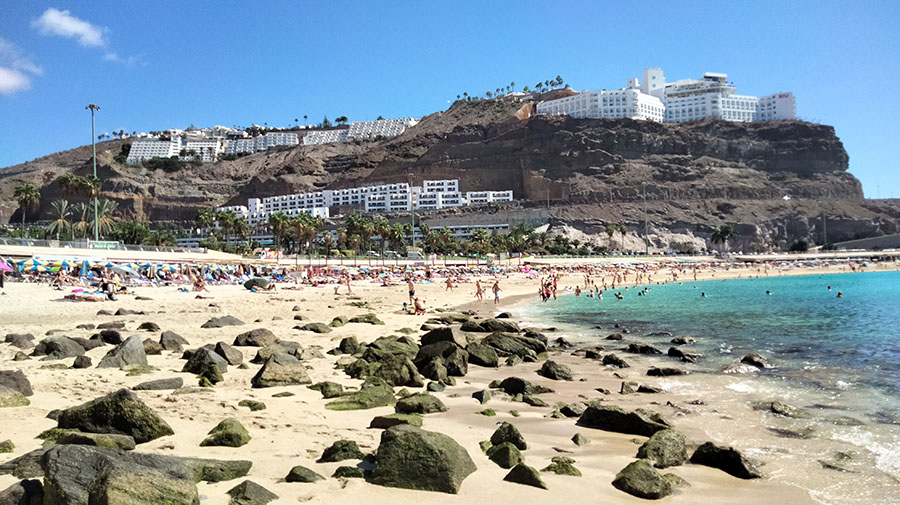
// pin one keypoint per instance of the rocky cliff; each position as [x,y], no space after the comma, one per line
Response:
[694,175]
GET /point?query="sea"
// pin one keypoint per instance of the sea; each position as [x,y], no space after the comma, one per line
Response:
[835,358]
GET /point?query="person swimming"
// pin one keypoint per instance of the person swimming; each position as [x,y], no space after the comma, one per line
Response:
[840,294]
[768,292]
[702,294]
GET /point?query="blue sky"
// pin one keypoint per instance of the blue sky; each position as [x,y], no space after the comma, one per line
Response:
[157,65]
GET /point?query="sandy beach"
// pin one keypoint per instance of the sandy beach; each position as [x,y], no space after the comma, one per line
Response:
[295,430]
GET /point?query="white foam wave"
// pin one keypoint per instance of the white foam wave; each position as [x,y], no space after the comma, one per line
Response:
[740,387]
[887,455]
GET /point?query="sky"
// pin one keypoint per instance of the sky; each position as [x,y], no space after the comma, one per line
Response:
[158,65]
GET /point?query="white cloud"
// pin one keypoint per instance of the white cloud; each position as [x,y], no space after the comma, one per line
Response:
[12,81]
[129,61]
[15,68]
[64,24]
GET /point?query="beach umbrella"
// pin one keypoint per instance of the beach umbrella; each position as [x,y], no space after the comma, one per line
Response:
[4,266]
[36,269]
[125,270]
[256,282]
[30,263]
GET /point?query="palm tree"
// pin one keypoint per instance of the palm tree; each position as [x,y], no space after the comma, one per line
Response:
[82,214]
[105,210]
[61,210]
[623,230]
[205,219]
[278,223]
[28,197]
[722,234]
[396,235]
[305,118]
[226,220]
[382,229]
[479,241]
[241,228]
[611,229]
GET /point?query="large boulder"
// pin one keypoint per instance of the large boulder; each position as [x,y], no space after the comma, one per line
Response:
[374,392]
[57,348]
[555,371]
[25,492]
[202,359]
[221,322]
[412,458]
[250,493]
[12,398]
[281,370]
[483,355]
[506,455]
[349,345]
[20,340]
[397,370]
[524,474]
[664,449]
[508,433]
[490,325]
[341,450]
[260,337]
[445,334]
[756,360]
[283,346]
[159,384]
[111,440]
[228,433]
[612,418]
[171,341]
[121,412]
[509,344]
[642,480]
[727,459]
[128,353]
[514,386]
[453,357]
[230,354]
[16,380]
[302,474]
[420,403]
[395,345]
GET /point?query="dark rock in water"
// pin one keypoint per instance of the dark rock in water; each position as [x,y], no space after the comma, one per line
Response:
[384,422]
[260,337]
[614,360]
[171,341]
[341,450]
[253,405]
[349,345]
[664,449]
[228,433]
[805,433]
[152,347]
[314,327]
[82,362]
[221,322]
[128,353]
[659,334]
[614,336]
[230,354]
[302,474]
[642,348]
[555,371]
[506,455]
[682,340]
[580,440]
[644,388]
[328,389]
[412,458]
[616,419]
[159,384]
[508,433]
[562,343]
[121,412]
[281,370]
[349,472]
[16,381]
[250,493]
[561,465]
[844,421]
[149,326]
[690,357]
[57,348]
[524,474]
[483,355]
[756,360]
[727,459]
[445,334]
[25,492]
[20,340]
[665,372]
[420,403]
[515,385]
[781,409]
[641,480]
[112,325]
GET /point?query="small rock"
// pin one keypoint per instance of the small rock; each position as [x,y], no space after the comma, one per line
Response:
[524,474]
[302,474]
[341,450]
[250,493]
[228,433]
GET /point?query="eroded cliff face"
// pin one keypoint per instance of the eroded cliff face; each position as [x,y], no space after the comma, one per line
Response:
[587,169]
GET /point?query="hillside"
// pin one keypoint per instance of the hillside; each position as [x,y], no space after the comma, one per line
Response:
[591,171]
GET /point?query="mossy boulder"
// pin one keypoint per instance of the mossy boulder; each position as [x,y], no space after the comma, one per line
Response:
[420,403]
[253,405]
[228,433]
[366,319]
[642,480]
[524,474]
[302,474]
[412,458]
[250,493]
[315,327]
[113,441]
[373,393]
[384,422]
[7,446]
[506,455]
[561,465]
[340,451]
[555,371]
[580,440]
[121,412]
[338,321]
[349,472]
[506,432]
[349,345]
[664,449]
[328,389]
[482,396]
[11,398]
[483,355]
[617,419]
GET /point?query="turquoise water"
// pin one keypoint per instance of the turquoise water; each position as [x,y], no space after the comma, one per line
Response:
[809,333]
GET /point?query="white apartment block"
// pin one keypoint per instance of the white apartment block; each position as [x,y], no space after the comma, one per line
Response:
[207,149]
[360,130]
[674,102]
[146,149]
[261,142]
[483,197]
[440,186]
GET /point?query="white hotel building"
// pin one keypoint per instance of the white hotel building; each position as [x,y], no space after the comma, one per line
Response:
[674,102]
[400,197]
[208,149]
[361,130]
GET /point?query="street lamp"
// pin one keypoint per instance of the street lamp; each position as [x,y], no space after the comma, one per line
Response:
[93,108]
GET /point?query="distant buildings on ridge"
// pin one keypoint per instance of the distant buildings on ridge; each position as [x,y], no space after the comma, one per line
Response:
[674,102]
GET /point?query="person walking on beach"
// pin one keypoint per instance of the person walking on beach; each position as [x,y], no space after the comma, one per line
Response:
[479,291]
[496,289]
[412,290]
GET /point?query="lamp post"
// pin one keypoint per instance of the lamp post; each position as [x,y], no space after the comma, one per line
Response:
[646,234]
[93,108]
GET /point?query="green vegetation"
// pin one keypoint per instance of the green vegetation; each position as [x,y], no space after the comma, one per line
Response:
[28,197]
